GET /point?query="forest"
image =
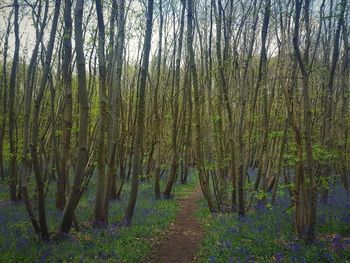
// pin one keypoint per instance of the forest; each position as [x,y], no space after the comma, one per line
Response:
[174,131]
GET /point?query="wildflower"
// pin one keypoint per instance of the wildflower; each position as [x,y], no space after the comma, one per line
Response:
[295,247]
[242,250]
[335,239]
[102,255]
[233,230]
[279,257]
[322,219]
[21,243]
[260,207]
[328,257]
[44,257]
[294,258]
[250,258]
[226,244]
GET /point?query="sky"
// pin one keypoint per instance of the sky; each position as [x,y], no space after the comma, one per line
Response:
[27,30]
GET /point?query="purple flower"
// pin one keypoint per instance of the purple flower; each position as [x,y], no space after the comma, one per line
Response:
[233,230]
[45,256]
[328,257]
[260,207]
[21,243]
[336,240]
[295,247]
[279,257]
[250,258]
[242,250]
[103,255]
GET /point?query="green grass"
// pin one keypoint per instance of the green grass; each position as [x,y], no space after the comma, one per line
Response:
[18,243]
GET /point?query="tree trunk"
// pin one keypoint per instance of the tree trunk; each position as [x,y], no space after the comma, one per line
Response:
[137,164]
[100,217]
[35,132]
[198,136]
[174,135]
[305,195]
[82,155]
[12,113]
[67,107]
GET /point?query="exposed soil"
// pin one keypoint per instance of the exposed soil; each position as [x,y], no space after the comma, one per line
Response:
[182,240]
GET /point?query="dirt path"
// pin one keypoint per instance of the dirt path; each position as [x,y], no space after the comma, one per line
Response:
[182,239]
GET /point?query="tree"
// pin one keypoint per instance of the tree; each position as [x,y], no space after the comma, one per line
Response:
[197,118]
[305,207]
[82,154]
[140,115]
[174,129]
[99,213]
[67,107]
[12,114]
[36,125]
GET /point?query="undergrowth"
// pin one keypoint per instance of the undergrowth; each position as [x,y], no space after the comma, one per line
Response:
[266,234]
[18,242]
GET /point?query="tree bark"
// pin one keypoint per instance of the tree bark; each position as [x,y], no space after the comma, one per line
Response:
[139,133]
[12,113]
[197,118]
[67,110]
[82,155]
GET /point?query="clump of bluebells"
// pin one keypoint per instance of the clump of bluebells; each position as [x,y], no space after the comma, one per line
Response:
[266,233]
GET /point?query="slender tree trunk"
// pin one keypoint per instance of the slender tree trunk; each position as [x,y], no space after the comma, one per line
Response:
[3,96]
[35,132]
[156,107]
[116,101]
[12,113]
[140,115]
[26,123]
[82,155]
[197,118]
[345,109]
[174,136]
[328,115]
[99,214]
[305,207]
[67,108]
[262,82]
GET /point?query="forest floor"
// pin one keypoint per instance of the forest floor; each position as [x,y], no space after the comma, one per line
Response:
[182,240]
[18,242]
[266,233]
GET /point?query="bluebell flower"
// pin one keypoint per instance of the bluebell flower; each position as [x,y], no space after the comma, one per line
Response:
[336,239]
[102,255]
[250,258]
[242,250]
[21,243]
[347,242]
[294,258]
[260,207]
[328,257]
[295,247]
[44,257]
[233,230]
[279,257]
